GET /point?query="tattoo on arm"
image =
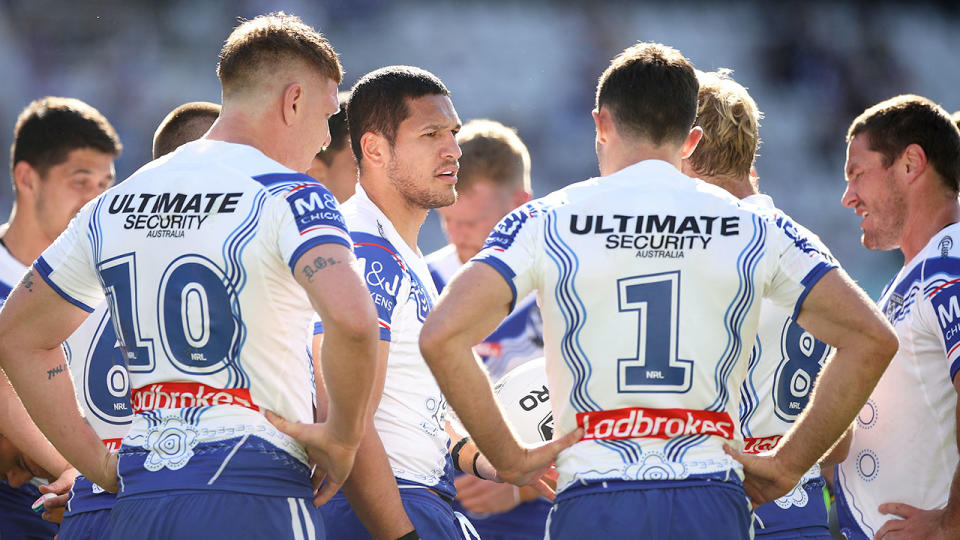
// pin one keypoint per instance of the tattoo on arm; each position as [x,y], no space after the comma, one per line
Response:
[28,280]
[51,373]
[318,264]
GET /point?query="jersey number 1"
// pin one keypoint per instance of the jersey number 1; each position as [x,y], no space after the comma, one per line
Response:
[655,298]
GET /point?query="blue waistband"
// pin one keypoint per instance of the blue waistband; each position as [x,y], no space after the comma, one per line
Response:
[84,499]
[241,465]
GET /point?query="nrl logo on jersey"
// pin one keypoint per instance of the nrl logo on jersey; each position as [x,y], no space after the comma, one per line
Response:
[894,304]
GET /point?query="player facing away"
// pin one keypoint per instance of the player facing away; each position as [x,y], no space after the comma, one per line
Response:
[650,284]
[786,359]
[900,479]
[210,259]
[185,123]
[335,166]
[494,179]
[62,156]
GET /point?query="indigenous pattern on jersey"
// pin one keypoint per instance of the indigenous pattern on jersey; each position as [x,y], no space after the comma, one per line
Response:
[783,366]
[649,285]
[904,446]
[519,337]
[410,418]
[194,254]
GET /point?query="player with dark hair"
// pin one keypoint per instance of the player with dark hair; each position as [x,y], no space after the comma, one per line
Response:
[62,156]
[210,260]
[649,283]
[186,123]
[402,129]
[786,359]
[901,478]
[335,166]
[494,179]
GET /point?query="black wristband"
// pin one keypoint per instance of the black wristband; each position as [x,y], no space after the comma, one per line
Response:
[475,471]
[412,535]
[455,453]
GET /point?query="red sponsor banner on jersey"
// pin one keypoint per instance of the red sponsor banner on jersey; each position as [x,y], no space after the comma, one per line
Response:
[755,445]
[112,444]
[177,395]
[653,423]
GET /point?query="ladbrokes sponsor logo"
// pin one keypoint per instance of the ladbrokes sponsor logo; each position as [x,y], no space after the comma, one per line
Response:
[186,394]
[112,444]
[653,423]
[760,444]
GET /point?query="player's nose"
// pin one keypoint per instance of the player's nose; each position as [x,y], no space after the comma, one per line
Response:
[849,198]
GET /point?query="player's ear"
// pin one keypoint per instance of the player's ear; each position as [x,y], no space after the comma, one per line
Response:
[912,162]
[25,177]
[690,143]
[601,119]
[375,148]
[292,102]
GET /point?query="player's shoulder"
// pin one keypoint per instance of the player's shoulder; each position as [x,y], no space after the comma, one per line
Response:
[801,236]
[940,258]
[382,264]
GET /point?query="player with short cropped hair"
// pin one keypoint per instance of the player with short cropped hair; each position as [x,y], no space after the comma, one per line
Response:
[62,156]
[403,126]
[901,478]
[210,259]
[786,359]
[494,179]
[649,284]
[187,122]
[335,166]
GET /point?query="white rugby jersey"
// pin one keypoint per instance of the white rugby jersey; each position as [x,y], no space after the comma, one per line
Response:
[99,379]
[649,283]
[410,418]
[195,254]
[904,445]
[519,337]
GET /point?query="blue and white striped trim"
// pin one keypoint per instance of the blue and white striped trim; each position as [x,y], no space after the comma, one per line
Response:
[44,270]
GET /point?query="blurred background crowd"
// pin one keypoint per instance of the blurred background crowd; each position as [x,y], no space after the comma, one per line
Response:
[532,64]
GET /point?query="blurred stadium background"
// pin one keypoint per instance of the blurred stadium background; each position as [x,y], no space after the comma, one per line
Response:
[812,67]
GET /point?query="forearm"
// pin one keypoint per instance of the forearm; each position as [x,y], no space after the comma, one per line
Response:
[841,390]
[348,368]
[17,426]
[839,451]
[372,490]
[47,392]
[466,386]
[320,405]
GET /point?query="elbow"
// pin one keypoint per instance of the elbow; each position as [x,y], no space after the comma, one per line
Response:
[432,340]
[885,343]
[356,325]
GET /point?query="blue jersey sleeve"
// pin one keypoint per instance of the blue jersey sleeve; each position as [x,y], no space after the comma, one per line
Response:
[384,274]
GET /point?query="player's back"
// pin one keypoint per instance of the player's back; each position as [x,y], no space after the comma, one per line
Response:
[649,284]
[194,252]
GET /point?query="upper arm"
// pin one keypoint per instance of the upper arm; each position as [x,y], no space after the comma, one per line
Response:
[837,312]
[328,273]
[36,317]
[472,305]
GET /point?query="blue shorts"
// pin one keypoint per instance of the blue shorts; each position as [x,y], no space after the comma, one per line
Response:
[17,520]
[432,516]
[528,521]
[208,514]
[807,517]
[691,509]
[93,525]
[848,524]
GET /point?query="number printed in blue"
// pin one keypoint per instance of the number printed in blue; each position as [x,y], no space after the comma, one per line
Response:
[803,356]
[656,300]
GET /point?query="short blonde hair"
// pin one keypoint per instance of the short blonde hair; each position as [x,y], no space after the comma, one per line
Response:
[259,44]
[495,152]
[730,121]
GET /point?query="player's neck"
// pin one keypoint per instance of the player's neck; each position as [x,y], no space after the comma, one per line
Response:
[620,157]
[22,238]
[241,129]
[924,220]
[405,218]
[740,188]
